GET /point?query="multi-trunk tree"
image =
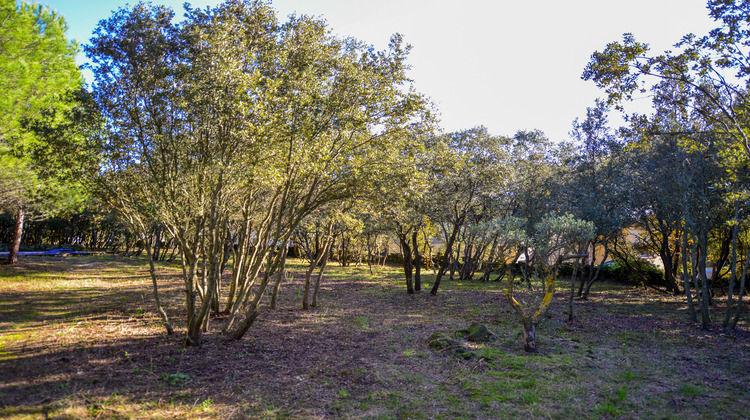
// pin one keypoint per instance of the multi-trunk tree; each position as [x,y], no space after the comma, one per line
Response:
[231,127]
[466,173]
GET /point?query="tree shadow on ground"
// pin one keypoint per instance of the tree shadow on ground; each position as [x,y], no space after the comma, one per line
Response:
[362,352]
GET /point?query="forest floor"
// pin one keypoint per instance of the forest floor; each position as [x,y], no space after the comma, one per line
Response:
[79,338]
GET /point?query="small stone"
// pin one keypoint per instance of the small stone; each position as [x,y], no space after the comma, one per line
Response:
[477,333]
[463,353]
[442,343]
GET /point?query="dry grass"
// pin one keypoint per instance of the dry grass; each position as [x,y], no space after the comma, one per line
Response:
[79,339]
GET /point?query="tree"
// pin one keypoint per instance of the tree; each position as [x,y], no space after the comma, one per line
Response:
[402,195]
[38,84]
[596,189]
[553,239]
[230,128]
[652,163]
[37,65]
[707,80]
[468,169]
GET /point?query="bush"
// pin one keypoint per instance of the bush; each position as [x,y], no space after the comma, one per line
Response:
[636,272]
[395,258]
[566,269]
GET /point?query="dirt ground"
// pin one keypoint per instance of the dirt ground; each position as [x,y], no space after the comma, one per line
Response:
[79,339]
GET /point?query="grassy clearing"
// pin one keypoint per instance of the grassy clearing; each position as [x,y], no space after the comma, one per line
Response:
[79,339]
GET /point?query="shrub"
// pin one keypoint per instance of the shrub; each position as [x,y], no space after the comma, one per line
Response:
[566,269]
[395,259]
[636,272]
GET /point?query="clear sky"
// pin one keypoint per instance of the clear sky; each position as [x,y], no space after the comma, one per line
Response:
[507,65]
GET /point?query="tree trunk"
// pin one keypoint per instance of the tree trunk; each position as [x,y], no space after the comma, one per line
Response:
[686,278]
[317,260]
[572,289]
[446,258]
[490,261]
[417,262]
[190,249]
[454,261]
[17,234]
[705,296]
[308,275]
[245,325]
[306,293]
[326,253]
[429,251]
[718,263]
[529,337]
[732,278]
[590,265]
[280,277]
[252,313]
[159,308]
[342,251]
[157,243]
[593,279]
[406,254]
[369,254]
[741,292]
[666,258]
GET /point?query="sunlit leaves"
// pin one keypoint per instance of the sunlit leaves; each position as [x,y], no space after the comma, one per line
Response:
[618,68]
[36,64]
[42,115]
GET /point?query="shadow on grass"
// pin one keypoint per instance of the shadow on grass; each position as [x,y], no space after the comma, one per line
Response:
[97,348]
[86,287]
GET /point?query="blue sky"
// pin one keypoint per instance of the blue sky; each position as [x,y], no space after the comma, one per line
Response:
[507,65]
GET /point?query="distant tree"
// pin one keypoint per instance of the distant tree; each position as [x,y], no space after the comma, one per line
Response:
[403,201]
[534,188]
[652,163]
[467,170]
[596,191]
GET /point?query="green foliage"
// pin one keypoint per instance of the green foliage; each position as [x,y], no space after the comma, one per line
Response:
[556,234]
[691,157]
[609,408]
[361,322]
[206,404]
[595,187]
[614,70]
[635,271]
[37,66]
[45,116]
[688,390]
[232,124]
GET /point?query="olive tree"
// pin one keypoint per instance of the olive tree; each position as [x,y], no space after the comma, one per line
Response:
[554,239]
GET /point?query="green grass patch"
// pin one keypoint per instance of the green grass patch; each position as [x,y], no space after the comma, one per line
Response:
[688,390]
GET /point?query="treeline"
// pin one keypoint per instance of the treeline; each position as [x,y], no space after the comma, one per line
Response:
[232,139]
